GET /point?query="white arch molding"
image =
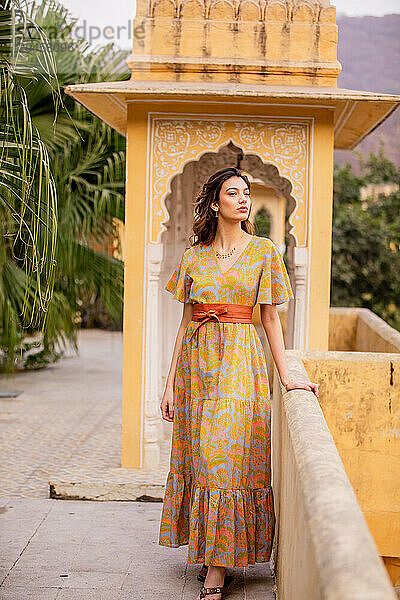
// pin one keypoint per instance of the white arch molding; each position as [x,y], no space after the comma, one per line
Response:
[280,145]
[176,139]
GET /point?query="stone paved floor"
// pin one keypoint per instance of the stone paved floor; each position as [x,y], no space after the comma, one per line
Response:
[84,550]
[67,423]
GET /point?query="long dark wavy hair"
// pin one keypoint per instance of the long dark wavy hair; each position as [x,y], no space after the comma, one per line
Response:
[204,219]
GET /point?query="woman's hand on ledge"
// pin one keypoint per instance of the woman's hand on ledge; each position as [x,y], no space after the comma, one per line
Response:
[296,384]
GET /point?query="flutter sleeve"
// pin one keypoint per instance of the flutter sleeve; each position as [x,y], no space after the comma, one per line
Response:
[180,281]
[274,285]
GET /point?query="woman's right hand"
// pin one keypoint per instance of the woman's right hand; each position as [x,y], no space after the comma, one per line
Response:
[167,405]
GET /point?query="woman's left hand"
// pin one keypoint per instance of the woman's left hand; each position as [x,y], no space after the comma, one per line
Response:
[294,384]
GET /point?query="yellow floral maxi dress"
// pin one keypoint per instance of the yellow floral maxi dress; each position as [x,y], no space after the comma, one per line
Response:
[218,496]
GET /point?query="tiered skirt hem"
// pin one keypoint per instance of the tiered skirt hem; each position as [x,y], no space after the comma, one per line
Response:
[223,527]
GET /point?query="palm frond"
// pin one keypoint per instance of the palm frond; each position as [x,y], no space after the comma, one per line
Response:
[27,189]
[62,178]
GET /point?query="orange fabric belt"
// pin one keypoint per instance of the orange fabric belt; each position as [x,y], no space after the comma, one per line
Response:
[227,313]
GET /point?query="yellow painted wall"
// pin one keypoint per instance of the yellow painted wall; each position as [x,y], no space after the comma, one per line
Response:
[275,204]
[361,330]
[343,329]
[321,232]
[269,43]
[360,399]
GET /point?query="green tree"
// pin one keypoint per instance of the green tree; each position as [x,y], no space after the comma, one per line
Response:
[366,241]
[262,222]
[346,186]
[379,169]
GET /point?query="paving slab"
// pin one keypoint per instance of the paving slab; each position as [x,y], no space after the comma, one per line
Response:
[61,436]
[102,550]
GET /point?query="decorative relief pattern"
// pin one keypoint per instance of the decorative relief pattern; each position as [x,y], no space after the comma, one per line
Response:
[178,140]
[309,11]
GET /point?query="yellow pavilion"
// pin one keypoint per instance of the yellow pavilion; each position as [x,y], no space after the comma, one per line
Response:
[253,84]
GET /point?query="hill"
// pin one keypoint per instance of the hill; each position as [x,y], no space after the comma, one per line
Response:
[369,51]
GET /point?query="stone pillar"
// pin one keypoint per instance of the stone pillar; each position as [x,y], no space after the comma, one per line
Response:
[297,314]
[152,423]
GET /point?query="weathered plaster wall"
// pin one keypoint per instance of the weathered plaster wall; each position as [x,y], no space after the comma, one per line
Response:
[360,399]
[374,334]
[342,328]
[361,330]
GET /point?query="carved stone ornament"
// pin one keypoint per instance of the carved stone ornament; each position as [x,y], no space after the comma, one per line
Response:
[175,141]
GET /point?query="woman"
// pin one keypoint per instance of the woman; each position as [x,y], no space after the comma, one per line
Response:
[218,496]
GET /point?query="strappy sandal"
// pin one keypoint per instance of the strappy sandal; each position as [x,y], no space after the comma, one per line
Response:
[217,590]
[201,577]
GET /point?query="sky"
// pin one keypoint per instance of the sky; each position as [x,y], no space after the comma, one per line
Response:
[376,8]
[99,24]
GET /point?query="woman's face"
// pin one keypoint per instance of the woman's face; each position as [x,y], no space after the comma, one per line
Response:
[234,200]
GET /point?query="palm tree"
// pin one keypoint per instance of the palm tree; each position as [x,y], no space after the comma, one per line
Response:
[87,161]
[28,201]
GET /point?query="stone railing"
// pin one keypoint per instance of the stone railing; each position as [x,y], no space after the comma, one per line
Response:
[323,548]
[361,330]
[351,329]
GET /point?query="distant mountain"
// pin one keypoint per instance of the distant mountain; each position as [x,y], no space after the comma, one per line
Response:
[369,50]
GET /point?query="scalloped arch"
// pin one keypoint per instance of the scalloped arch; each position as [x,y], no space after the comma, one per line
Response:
[227,155]
[163,8]
[192,9]
[221,10]
[250,10]
[177,140]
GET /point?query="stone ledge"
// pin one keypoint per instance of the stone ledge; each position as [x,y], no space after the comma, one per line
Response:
[121,485]
[342,557]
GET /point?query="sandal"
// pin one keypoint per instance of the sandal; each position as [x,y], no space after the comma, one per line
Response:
[200,576]
[217,590]
[227,581]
